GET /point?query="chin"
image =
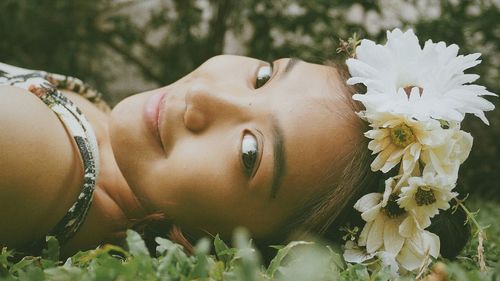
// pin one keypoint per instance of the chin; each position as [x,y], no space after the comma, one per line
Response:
[125,126]
[130,139]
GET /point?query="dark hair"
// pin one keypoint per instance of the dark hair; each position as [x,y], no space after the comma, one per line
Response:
[453,231]
[324,214]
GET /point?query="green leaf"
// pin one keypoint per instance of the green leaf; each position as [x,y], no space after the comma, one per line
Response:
[355,272]
[336,258]
[136,245]
[200,269]
[306,261]
[217,271]
[223,252]
[23,264]
[219,245]
[384,274]
[247,259]
[32,273]
[165,245]
[282,253]
[52,251]
[172,262]
[63,273]
[277,247]
[4,261]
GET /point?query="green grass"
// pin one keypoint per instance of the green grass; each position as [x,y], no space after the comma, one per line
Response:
[296,261]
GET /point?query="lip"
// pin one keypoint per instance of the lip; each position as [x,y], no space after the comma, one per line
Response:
[152,113]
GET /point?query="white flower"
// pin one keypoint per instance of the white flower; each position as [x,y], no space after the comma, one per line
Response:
[418,249]
[415,100]
[355,254]
[446,157]
[397,137]
[424,196]
[383,218]
[401,77]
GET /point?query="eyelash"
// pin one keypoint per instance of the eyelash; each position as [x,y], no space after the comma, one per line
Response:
[264,74]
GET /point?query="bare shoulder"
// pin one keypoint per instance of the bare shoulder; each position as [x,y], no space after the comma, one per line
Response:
[40,168]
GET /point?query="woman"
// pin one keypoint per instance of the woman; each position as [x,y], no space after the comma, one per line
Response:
[238,141]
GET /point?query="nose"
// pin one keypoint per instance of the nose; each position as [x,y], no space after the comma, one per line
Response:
[208,105]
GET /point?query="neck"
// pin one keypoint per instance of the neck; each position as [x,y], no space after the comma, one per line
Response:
[114,209]
[116,189]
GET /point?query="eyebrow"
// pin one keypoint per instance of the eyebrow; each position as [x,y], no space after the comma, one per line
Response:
[289,66]
[277,131]
[279,156]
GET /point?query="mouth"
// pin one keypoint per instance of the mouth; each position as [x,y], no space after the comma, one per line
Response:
[152,113]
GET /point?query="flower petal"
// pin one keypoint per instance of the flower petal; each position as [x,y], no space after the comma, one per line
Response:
[363,236]
[431,243]
[375,236]
[408,227]
[393,241]
[355,254]
[382,157]
[367,202]
[371,214]
[409,259]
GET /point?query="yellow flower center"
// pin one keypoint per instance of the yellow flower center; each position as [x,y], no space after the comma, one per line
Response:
[402,135]
[424,196]
[392,208]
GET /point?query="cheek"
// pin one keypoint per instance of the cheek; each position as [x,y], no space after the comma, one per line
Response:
[198,179]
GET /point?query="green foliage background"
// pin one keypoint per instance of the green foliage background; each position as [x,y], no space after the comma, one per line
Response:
[90,39]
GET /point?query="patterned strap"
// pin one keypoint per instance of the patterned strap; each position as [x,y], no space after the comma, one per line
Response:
[78,126]
[81,130]
[63,82]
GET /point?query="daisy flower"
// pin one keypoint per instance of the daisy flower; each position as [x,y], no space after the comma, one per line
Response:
[383,218]
[424,196]
[397,137]
[401,77]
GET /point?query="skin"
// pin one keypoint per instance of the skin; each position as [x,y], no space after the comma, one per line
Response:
[195,176]
[191,172]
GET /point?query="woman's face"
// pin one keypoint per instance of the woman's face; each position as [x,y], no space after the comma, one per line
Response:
[219,149]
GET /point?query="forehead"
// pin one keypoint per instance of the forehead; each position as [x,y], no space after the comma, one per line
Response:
[318,127]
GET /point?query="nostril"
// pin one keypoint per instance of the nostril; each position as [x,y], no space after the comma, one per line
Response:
[197,94]
[194,120]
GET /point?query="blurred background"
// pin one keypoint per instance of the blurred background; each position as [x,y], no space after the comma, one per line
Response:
[123,47]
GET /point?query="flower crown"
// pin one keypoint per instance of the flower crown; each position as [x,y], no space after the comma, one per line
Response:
[415,101]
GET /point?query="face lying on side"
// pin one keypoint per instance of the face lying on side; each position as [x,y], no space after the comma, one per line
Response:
[229,151]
